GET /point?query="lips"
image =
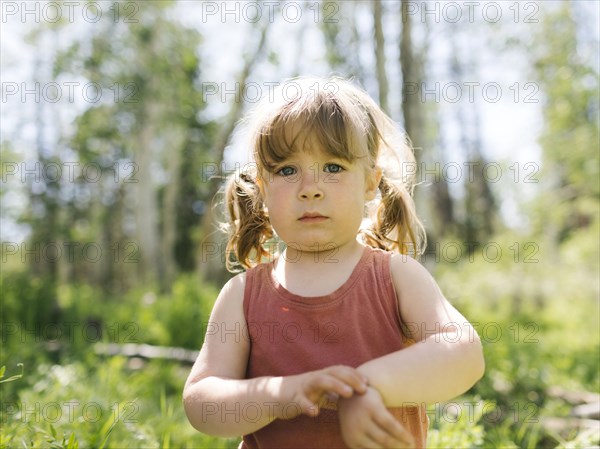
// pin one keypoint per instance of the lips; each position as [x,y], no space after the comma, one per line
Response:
[312,217]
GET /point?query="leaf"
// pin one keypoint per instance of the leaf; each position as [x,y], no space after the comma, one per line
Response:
[108,427]
[15,377]
[71,443]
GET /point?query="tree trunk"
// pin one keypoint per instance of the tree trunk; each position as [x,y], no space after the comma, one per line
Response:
[412,78]
[479,204]
[169,208]
[382,80]
[146,208]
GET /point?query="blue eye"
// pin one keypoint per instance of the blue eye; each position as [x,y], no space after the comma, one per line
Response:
[333,168]
[286,171]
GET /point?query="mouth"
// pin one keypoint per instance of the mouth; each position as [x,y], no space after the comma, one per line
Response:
[312,217]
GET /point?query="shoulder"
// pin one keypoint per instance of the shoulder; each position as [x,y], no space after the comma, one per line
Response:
[232,294]
[406,272]
[234,291]
[236,284]
[416,290]
[409,273]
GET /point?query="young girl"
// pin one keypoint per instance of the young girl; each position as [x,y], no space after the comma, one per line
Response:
[341,338]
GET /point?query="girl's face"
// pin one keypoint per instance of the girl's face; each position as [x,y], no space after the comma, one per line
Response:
[315,201]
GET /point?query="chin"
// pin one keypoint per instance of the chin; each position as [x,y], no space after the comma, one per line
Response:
[312,247]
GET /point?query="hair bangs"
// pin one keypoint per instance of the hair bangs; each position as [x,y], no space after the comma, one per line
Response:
[315,122]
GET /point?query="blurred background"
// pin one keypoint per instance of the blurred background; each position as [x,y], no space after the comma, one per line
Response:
[120,119]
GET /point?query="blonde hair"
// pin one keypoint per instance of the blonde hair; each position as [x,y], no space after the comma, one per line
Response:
[349,125]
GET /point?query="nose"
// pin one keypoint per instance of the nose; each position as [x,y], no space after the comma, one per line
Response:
[310,188]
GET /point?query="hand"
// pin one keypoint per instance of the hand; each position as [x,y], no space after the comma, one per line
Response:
[306,393]
[365,422]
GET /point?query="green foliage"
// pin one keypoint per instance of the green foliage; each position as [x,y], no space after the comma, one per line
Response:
[11,378]
[462,428]
[74,316]
[570,84]
[102,403]
[143,137]
[28,302]
[174,319]
[536,313]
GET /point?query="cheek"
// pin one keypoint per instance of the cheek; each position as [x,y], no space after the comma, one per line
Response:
[268,194]
[361,188]
[274,200]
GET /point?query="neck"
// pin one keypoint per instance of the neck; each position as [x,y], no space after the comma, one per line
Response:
[317,273]
[328,256]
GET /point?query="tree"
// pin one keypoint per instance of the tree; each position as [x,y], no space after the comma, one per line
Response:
[382,80]
[571,156]
[478,205]
[142,139]
[342,40]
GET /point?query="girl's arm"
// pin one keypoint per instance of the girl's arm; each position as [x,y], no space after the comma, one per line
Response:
[447,358]
[219,401]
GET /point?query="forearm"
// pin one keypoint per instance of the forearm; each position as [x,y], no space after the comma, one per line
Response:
[231,407]
[435,369]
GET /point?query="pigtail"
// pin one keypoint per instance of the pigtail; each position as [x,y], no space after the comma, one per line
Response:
[396,226]
[249,226]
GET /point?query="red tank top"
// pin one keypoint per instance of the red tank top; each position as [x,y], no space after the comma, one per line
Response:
[292,334]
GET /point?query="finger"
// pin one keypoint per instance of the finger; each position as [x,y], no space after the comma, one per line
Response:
[389,425]
[327,383]
[328,401]
[383,439]
[308,407]
[331,399]
[350,376]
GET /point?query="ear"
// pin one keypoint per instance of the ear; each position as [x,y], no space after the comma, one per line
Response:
[260,183]
[372,184]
